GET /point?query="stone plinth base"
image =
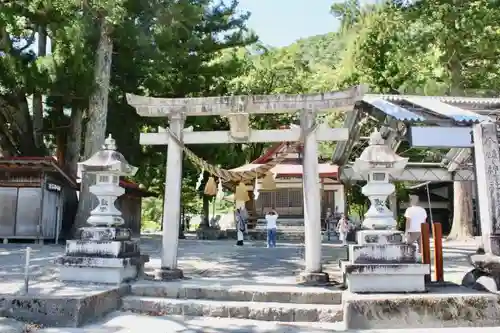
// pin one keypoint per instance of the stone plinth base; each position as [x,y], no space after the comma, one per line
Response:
[387,254]
[64,306]
[100,270]
[441,306]
[167,274]
[486,272]
[308,278]
[383,264]
[102,255]
[102,248]
[376,278]
[370,237]
[488,263]
[209,233]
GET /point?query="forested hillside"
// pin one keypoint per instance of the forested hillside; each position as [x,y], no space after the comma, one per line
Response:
[65,98]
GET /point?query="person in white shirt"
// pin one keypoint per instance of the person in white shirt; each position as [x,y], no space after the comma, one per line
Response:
[271,218]
[415,216]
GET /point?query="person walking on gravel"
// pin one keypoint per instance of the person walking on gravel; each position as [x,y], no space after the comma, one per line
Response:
[240,226]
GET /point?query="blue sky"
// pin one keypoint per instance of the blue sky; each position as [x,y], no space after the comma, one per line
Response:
[281,22]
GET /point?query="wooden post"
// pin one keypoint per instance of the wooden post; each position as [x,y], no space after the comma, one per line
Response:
[438,251]
[425,248]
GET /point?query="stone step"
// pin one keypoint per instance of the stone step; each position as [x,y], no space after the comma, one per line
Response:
[283,229]
[265,311]
[261,235]
[284,222]
[238,293]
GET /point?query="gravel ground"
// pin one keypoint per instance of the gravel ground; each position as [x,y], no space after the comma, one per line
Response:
[218,259]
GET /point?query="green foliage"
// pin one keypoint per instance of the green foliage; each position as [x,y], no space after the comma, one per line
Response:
[151,214]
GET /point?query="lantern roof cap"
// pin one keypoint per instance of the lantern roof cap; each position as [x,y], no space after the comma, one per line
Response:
[107,160]
[379,156]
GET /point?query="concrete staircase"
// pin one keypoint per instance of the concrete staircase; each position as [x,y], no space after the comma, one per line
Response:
[290,230]
[283,223]
[289,303]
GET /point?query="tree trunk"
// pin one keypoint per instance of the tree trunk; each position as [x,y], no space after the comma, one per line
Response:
[461,227]
[37,96]
[95,130]
[71,156]
[462,211]
[74,141]
[206,211]
[252,210]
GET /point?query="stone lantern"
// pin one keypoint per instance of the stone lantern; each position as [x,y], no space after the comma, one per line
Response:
[107,165]
[376,164]
[381,261]
[105,251]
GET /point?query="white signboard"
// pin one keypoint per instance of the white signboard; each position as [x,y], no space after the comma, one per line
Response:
[440,137]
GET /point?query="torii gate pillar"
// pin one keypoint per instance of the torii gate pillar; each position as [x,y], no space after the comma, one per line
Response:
[172,202]
[312,203]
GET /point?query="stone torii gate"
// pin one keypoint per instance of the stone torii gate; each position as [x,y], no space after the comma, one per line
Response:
[238,109]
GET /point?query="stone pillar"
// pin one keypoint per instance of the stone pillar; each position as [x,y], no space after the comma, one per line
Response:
[172,203]
[486,272]
[487,160]
[312,203]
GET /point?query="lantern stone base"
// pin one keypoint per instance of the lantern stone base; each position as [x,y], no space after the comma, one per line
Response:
[385,278]
[309,278]
[102,255]
[100,270]
[168,274]
[486,272]
[380,262]
[369,236]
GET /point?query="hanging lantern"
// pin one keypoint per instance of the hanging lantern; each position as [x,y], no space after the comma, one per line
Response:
[268,182]
[241,193]
[200,179]
[220,190]
[256,189]
[210,187]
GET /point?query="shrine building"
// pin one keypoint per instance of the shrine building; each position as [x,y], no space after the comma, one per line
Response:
[287,198]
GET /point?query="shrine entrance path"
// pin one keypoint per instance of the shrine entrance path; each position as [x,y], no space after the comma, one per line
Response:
[220,260]
[253,261]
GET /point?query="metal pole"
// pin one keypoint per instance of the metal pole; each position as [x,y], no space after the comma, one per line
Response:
[429,203]
[27,270]
[213,208]
[39,227]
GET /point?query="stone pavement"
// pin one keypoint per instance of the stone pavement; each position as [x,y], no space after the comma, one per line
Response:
[132,323]
[8,325]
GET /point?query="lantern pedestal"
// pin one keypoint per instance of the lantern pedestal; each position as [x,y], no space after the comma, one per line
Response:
[102,255]
[381,262]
